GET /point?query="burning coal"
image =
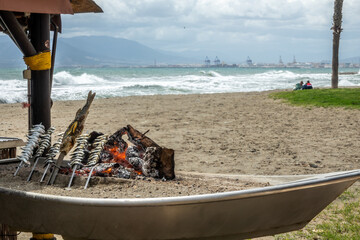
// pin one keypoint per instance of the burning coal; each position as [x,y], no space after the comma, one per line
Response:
[125,154]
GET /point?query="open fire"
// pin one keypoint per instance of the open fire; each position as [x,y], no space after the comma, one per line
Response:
[97,154]
[125,154]
[136,155]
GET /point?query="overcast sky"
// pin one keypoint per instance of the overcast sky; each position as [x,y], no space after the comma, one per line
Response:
[229,29]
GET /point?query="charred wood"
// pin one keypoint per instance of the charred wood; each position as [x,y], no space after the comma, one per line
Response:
[162,158]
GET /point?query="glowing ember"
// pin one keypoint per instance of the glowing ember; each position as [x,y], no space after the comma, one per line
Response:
[118,157]
[108,171]
[138,155]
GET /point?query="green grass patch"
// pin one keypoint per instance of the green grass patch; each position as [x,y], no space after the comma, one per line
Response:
[340,97]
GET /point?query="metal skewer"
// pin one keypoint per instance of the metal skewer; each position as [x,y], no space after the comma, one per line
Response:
[72,132]
[89,177]
[18,168]
[32,142]
[72,176]
[56,168]
[32,170]
[53,151]
[45,143]
[45,172]
[78,155]
[95,155]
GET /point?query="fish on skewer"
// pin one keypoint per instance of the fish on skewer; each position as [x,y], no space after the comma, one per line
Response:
[45,143]
[33,140]
[95,155]
[50,156]
[73,131]
[78,155]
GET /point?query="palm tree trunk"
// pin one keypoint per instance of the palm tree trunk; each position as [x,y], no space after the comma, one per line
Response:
[337,19]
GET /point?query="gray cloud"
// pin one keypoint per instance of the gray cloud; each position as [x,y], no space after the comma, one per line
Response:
[229,27]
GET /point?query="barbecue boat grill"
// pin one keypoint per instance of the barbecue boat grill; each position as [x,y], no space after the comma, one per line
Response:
[229,215]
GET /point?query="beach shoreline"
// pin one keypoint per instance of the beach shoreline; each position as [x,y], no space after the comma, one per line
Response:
[231,133]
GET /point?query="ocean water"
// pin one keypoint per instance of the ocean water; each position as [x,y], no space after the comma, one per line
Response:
[74,83]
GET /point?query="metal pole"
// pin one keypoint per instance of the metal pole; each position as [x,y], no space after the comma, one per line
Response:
[29,101]
[40,83]
[17,33]
[56,30]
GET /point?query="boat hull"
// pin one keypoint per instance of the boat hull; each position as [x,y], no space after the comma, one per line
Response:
[231,215]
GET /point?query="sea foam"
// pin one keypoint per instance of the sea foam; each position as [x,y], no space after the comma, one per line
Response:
[74,84]
[65,78]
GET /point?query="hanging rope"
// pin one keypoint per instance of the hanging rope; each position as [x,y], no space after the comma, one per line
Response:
[40,61]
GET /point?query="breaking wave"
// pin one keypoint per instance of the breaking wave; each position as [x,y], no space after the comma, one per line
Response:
[211,73]
[65,78]
[74,84]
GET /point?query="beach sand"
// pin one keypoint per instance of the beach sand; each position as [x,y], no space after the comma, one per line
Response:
[232,133]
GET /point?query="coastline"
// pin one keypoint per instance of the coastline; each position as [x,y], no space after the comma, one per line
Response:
[231,133]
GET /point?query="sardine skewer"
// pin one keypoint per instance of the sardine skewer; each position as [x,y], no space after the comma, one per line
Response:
[55,168]
[33,139]
[94,155]
[44,144]
[53,151]
[73,131]
[78,155]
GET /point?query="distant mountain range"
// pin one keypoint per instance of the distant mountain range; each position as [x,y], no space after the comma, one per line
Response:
[100,51]
[94,51]
[10,55]
[351,60]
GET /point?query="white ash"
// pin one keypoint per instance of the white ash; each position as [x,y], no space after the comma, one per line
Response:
[123,173]
[104,166]
[150,163]
[132,151]
[133,157]
[136,162]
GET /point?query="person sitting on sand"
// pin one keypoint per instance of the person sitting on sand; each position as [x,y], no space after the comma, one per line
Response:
[307,85]
[298,86]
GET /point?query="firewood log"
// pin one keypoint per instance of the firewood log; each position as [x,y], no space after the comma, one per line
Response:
[165,156]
